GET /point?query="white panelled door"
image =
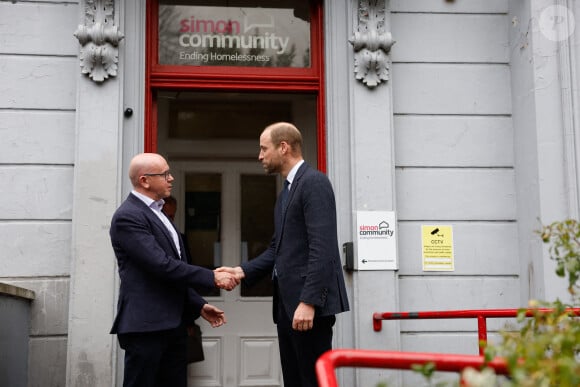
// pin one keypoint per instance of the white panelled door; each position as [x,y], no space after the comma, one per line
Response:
[225,210]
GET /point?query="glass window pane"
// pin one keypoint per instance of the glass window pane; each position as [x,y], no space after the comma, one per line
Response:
[267,33]
[218,116]
[258,196]
[202,220]
[198,125]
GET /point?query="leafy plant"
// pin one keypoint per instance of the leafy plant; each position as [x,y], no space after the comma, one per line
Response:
[546,349]
[564,239]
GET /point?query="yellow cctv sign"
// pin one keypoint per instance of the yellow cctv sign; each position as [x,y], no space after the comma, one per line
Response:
[437,248]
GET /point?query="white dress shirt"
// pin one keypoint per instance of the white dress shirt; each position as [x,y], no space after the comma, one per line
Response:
[156,207]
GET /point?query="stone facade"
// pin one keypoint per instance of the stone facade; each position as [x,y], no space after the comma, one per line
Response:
[475,126]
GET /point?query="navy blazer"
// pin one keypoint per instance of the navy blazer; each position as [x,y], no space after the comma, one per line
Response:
[158,289]
[304,248]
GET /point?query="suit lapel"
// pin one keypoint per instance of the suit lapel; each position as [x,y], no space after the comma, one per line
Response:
[294,187]
[155,220]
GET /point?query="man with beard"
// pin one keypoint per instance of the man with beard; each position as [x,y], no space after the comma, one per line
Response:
[303,257]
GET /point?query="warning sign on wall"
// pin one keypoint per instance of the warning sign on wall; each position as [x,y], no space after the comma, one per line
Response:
[437,248]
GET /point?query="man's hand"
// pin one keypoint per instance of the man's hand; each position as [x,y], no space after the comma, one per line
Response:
[225,280]
[213,315]
[303,317]
[237,271]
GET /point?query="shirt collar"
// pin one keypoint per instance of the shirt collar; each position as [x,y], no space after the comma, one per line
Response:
[292,173]
[156,205]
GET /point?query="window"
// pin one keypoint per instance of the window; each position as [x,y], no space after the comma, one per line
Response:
[234,33]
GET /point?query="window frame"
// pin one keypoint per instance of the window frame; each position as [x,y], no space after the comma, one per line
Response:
[234,78]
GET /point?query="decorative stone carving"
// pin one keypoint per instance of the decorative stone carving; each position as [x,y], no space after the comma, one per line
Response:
[371,43]
[99,38]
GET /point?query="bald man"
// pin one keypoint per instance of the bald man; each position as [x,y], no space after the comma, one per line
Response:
[158,294]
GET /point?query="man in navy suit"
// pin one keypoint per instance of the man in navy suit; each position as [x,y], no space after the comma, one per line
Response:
[158,292]
[303,257]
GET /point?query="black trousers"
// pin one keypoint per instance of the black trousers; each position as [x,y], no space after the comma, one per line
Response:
[300,350]
[155,359]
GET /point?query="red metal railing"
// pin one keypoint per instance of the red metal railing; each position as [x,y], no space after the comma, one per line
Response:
[480,314]
[330,360]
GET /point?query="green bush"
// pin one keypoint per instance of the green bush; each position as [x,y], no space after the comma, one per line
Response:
[564,240]
[545,351]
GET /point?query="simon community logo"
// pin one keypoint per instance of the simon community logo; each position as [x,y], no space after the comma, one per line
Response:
[221,33]
[381,230]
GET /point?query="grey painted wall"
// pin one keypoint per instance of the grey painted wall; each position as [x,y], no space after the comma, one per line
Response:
[472,130]
[454,151]
[38,66]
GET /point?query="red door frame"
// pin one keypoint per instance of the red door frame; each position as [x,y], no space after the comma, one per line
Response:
[225,78]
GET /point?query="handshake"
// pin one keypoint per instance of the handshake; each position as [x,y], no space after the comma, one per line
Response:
[227,278]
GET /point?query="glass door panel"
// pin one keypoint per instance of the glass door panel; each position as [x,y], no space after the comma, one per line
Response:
[258,196]
[202,214]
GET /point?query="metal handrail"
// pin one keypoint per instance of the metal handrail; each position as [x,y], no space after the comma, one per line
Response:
[330,360]
[480,314]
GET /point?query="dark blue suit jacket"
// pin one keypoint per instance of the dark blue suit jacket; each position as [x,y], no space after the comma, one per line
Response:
[158,289]
[304,248]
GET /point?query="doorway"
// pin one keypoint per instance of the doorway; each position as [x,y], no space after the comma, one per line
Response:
[225,208]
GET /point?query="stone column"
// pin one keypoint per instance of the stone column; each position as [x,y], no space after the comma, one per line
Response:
[361,163]
[91,349]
